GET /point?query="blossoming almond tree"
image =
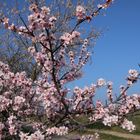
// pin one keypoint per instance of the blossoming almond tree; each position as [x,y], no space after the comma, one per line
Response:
[40,108]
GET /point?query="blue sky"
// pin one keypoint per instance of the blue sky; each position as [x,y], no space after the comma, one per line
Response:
[118,48]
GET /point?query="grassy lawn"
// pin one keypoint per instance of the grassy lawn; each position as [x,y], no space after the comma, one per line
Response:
[102,136]
[109,137]
[135,119]
[100,126]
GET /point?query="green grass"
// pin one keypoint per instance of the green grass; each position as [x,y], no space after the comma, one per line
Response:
[109,137]
[134,119]
[102,136]
[100,126]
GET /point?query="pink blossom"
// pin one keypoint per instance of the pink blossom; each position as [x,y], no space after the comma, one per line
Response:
[33,8]
[128,125]
[12,130]
[4,103]
[31,50]
[23,136]
[90,137]
[18,100]
[101,82]
[66,38]
[45,10]
[62,130]
[80,12]
[52,19]
[110,120]
[36,136]
[133,73]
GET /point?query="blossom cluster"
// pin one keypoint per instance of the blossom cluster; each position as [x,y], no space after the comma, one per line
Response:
[132,77]
[90,137]
[128,125]
[68,38]
[105,5]
[99,113]
[37,135]
[62,130]
[12,125]
[80,12]
[16,98]
[110,120]
[40,19]
[129,104]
